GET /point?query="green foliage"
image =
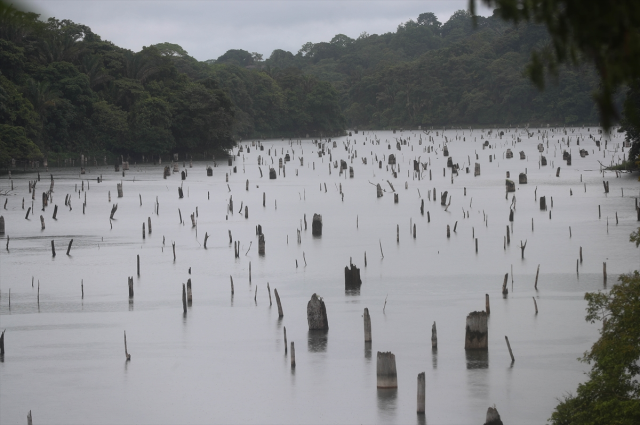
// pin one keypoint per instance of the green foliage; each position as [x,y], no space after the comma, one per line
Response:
[603,34]
[611,395]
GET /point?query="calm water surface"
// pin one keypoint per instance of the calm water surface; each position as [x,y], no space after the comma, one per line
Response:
[225,361]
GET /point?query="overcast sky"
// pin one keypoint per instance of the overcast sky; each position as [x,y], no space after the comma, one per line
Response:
[208,28]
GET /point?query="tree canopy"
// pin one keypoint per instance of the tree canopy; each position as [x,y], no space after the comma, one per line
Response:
[603,34]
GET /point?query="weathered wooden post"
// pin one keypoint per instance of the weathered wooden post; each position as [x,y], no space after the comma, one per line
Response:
[149,222]
[53,249]
[130,282]
[29,418]
[367,326]
[138,260]
[2,343]
[535,304]
[477,334]
[119,186]
[184,299]
[434,337]
[316,225]
[280,313]
[421,392]
[543,203]
[69,247]
[487,307]
[42,222]
[352,278]
[231,277]
[317,314]
[1,225]
[604,272]
[189,298]
[505,289]
[387,375]
[379,190]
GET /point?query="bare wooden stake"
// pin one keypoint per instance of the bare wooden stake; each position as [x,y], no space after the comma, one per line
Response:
[231,277]
[69,247]
[293,356]
[126,353]
[280,313]
[535,304]
[184,299]
[487,307]
[509,347]
[537,273]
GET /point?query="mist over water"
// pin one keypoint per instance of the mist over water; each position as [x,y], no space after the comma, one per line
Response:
[225,361]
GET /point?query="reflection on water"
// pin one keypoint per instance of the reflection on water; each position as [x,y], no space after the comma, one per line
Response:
[387,403]
[367,350]
[477,359]
[352,292]
[317,341]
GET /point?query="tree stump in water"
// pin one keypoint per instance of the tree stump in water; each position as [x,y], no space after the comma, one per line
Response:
[261,244]
[392,159]
[511,186]
[543,203]
[387,375]
[119,186]
[443,198]
[367,326]
[421,392]
[395,198]
[130,282]
[379,190]
[543,161]
[434,336]
[477,334]
[476,171]
[209,171]
[316,225]
[522,178]
[189,298]
[352,278]
[493,417]
[317,314]
[272,174]
[1,225]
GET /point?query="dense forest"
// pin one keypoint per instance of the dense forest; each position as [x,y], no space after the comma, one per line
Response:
[64,90]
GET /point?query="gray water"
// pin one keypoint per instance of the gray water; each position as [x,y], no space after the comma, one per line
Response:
[224,362]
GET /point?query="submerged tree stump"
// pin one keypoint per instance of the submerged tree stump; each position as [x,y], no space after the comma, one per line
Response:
[379,190]
[522,178]
[387,375]
[119,186]
[477,334]
[1,225]
[367,325]
[189,297]
[130,282]
[434,337]
[493,417]
[352,277]
[316,225]
[272,174]
[261,244]
[511,186]
[317,314]
[543,203]
[421,392]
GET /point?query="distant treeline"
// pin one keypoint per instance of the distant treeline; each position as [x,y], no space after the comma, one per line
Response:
[65,90]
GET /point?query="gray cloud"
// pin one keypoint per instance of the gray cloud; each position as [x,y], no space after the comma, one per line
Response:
[208,28]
